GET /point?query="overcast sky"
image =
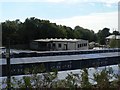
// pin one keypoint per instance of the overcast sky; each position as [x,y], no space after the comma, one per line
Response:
[91,14]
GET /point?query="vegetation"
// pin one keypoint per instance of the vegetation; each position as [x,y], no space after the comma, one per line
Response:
[23,32]
[104,79]
[114,43]
[102,34]
[32,28]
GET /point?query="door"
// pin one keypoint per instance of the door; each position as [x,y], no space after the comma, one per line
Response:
[65,47]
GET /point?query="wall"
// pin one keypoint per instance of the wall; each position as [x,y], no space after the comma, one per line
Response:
[34,45]
[60,45]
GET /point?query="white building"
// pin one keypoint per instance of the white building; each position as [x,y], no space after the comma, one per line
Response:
[113,37]
[113,41]
[59,44]
[116,37]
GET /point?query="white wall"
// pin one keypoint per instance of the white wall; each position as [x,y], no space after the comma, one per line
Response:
[70,45]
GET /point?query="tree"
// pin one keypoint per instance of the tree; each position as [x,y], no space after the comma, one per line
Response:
[116,33]
[114,43]
[33,28]
[82,33]
[85,79]
[103,77]
[9,30]
[102,34]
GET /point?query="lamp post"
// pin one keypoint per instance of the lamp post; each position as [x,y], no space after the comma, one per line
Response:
[8,65]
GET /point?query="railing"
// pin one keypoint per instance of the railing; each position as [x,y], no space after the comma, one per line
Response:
[58,53]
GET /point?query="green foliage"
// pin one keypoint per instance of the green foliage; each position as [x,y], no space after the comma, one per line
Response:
[114,43]
[116,33]
[85,79]
[102,78]
[102,34]
[70,80]
[82,33]
[33,28]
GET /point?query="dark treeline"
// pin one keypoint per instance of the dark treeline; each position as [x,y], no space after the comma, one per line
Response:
[32,28]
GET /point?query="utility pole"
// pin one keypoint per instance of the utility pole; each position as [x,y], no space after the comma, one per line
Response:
[115,34]
[8,65]
[115,40]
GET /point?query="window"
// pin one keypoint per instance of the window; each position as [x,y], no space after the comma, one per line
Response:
[53,44]
[81,45]
[59,45]
[49,45]
[85,44]
[78,45]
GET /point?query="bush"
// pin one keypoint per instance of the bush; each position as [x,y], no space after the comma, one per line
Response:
[103,79]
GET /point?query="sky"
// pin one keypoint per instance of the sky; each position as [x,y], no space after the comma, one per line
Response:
[91,14]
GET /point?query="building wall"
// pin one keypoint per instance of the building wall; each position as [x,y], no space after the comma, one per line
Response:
[81,45]
[64,46]
[57,47]
[72,45]
[34,45]
[60,45]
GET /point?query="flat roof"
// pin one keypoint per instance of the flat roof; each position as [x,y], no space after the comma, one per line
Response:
[59,58]
[113,37]
[59,40]
[30,51]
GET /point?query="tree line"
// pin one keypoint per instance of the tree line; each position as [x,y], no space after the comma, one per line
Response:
[33,28]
